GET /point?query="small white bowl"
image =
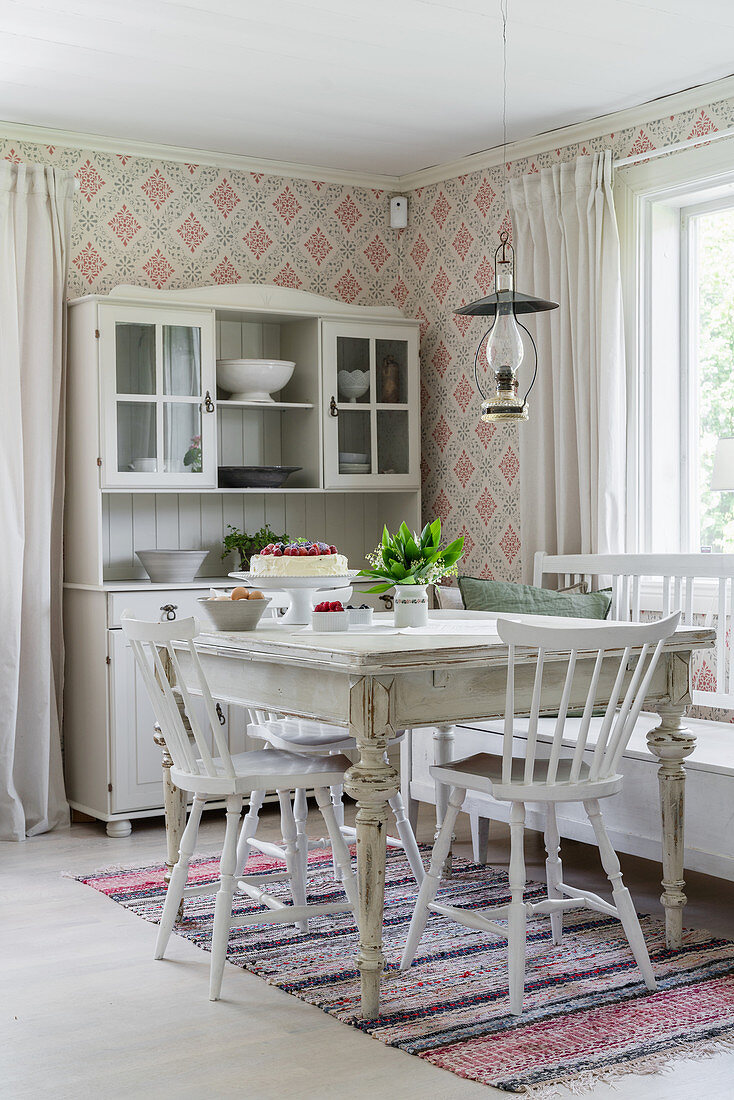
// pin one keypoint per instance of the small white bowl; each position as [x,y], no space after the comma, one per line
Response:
[353,383]
[330,620]
[253,379]
[353,456]
[360,616]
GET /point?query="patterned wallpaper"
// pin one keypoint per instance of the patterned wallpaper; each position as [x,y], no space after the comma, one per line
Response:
[172,225]
[470,469]
[169,224]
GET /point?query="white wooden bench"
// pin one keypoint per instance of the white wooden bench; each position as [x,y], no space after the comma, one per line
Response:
[702,587]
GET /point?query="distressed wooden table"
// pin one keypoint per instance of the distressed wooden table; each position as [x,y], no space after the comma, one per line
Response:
[378,683]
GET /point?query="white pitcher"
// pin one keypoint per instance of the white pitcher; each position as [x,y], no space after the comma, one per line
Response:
[411,605]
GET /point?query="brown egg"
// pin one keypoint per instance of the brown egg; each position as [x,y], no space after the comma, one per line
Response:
[240,594]
[256,595]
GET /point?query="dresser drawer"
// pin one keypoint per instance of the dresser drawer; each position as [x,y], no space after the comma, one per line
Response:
[147,605]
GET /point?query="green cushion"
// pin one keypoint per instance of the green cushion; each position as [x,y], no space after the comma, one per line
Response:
[525,599]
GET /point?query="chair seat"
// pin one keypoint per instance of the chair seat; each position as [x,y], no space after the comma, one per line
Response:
[302,734]
[269,770]
[483,772]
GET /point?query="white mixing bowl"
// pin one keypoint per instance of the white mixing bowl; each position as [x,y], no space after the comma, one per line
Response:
[253,379]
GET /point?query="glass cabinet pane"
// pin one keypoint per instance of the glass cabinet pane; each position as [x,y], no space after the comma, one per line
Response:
[181,360]
[392,442]
[391,368]
[136,436]
[353,369]
[182,451]
[355,445]
[135,358]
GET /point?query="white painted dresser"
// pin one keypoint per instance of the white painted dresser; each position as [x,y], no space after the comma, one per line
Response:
[128,409]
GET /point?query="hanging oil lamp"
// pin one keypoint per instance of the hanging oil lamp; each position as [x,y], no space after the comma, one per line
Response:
[505,351]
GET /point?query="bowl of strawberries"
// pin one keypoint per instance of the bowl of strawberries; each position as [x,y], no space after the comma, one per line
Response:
[329,615]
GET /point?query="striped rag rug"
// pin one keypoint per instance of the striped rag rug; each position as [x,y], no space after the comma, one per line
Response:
[587,1015]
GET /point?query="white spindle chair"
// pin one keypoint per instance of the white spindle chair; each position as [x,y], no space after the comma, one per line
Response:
[203,765]
[318,738]
[552,779]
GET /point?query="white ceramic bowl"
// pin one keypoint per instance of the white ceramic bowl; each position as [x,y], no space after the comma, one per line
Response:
[171,566]
[253,379]
[353,383]
[353,456]
[329,620]
[233,615]
[360,616]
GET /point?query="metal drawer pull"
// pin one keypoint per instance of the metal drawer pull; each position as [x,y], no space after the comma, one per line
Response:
[169,611]
[208,404]
[333,411]
[220,714]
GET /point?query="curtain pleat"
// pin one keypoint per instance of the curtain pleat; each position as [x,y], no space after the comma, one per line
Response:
[573,449]
[35,225]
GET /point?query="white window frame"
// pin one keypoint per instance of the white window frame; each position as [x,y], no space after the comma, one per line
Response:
[641,192]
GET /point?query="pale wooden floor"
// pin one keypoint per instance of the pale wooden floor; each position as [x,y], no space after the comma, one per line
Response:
[85,1012]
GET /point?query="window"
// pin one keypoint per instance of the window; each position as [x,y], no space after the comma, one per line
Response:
[677,229]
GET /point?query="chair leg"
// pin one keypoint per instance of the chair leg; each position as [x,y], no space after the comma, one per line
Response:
[479,836]
[223,902]
[300,813]
[553,868]
[406,773]
[339,848]
[517,915]
[337,802]
[621,895]
[432,879]
[180,874]
[407,838]
[249,828]
[293,860]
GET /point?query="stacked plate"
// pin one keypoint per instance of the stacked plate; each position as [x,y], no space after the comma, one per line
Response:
[353,462]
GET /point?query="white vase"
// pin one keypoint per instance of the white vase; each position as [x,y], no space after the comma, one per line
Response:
[411,605]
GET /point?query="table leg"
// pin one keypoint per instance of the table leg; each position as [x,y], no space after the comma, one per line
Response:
[671,742]
[371,781]
[174,805]
[443,750]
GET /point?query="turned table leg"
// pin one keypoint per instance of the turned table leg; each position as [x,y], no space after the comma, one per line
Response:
[671,742]
[371,781]
[174,805]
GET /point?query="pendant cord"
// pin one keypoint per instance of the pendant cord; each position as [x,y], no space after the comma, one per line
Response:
[503,13]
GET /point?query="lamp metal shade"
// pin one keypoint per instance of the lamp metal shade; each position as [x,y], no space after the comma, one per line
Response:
[722,475]
[521,303]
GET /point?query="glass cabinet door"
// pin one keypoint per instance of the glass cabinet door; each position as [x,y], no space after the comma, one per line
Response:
[157,372]
[371,422]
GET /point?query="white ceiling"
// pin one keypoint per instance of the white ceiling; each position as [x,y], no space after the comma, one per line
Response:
[386,86]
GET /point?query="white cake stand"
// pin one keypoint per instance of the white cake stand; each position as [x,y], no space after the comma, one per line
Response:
[300,590]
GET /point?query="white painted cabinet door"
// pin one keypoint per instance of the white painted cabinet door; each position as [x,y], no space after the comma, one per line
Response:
[371,406]
[158,392]
[135,759]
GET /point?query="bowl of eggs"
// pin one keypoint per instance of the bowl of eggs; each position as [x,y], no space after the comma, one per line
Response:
[240,610]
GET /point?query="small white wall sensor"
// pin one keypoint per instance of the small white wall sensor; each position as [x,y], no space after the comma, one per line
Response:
[398,212]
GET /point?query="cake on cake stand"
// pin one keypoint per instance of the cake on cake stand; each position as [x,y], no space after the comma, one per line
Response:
[301,591]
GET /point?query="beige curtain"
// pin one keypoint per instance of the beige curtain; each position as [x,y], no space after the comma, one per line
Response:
[573,449]
[35,223]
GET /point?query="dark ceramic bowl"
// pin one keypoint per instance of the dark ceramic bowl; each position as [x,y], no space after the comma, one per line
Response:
[255,477]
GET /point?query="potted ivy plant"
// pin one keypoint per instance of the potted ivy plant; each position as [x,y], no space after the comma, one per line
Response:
[239,542]
[409,562]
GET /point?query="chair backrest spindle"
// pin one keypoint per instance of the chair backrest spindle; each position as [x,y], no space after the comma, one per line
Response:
[615,645]
[191,751]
